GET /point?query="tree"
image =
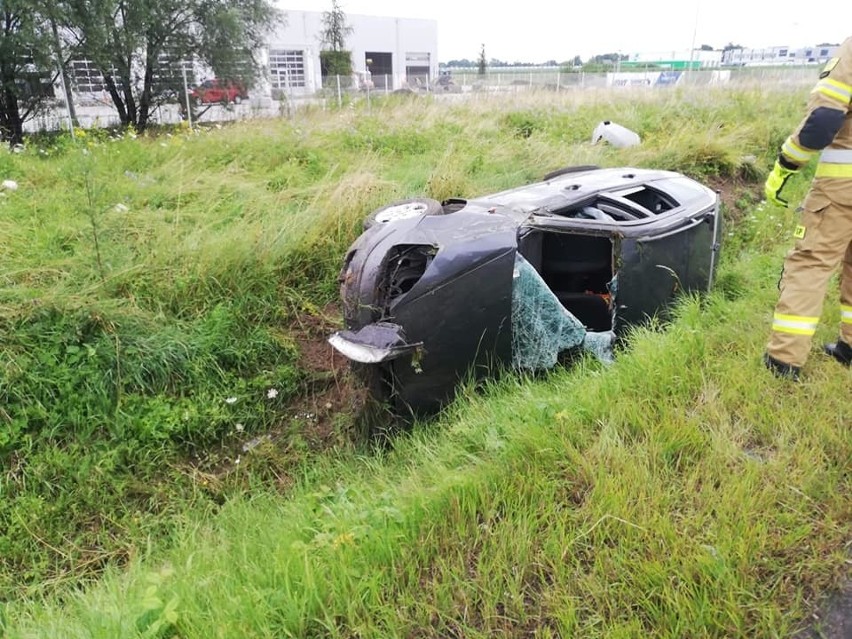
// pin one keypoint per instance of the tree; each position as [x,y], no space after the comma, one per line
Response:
[482,64]
[25,57]
[335,30]
[134,44]
[335,60]
[706,47]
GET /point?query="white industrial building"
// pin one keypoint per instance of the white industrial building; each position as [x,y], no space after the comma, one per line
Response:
[388,52]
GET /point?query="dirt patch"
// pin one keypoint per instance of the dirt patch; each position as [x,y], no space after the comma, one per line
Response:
[321,416]
[833,618]
[330,394]
[738,196]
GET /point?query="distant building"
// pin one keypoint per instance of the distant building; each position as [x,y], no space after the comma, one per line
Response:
[675,60]
[387,53]
[771,56]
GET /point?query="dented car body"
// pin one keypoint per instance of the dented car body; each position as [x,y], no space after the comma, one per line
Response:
[428,297]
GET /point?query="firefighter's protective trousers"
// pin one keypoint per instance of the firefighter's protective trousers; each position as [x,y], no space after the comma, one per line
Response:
[824,234]
[827,241]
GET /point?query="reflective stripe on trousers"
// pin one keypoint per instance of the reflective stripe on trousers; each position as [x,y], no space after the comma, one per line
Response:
[795,324]
[846,314]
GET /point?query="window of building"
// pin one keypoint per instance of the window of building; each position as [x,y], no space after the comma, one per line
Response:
[286,68]
[782,53]
[170,69]
[823,53]
[85,77]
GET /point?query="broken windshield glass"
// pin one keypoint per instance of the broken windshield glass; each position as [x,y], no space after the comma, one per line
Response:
[542,328]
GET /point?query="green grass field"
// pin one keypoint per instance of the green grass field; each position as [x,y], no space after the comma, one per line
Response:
[155,298]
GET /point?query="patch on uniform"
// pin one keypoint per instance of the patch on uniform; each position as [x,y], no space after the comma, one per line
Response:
[829,67]
[799,233]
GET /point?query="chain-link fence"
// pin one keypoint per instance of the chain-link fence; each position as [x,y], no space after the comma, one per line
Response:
[97,110]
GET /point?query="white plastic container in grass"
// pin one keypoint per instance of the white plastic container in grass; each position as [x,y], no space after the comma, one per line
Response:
[617,135]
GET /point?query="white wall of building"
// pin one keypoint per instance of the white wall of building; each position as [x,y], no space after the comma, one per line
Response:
[402,38]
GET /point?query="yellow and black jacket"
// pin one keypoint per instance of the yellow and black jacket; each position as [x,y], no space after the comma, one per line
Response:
[827,128]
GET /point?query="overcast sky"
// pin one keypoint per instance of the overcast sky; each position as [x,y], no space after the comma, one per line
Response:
[541,30]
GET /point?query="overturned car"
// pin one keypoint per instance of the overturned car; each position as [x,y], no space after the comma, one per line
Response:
[435,291]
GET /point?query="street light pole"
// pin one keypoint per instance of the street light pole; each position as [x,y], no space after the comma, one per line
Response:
[694,35]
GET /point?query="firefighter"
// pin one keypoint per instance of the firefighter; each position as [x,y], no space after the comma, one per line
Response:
[824,235]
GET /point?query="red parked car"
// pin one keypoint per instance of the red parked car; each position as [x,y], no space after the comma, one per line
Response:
[213,91]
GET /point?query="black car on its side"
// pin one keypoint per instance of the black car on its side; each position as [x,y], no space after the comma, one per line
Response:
[432,291]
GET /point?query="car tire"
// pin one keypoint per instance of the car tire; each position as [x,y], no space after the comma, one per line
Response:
[402,210]
[570,169]
[237,99]
[199,102]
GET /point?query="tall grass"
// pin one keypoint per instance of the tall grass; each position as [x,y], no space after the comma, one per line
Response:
[672,495]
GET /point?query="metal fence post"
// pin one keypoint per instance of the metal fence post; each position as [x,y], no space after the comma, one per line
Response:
[339,94]
[186,94]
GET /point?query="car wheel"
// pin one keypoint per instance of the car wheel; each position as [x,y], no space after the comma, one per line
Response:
[570,169]
[199,102]
[237,99]
[403,210]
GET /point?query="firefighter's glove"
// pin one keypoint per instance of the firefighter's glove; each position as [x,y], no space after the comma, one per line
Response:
[775,183]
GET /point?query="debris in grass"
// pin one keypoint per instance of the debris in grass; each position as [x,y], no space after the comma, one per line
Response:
[617,135]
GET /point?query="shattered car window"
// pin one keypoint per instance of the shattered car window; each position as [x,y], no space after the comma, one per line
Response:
[542,327]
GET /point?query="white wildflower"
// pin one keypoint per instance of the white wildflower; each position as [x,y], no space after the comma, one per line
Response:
[272,393]
[240,428]
[231,400]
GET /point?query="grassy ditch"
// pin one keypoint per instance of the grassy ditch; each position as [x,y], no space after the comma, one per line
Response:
[152,294]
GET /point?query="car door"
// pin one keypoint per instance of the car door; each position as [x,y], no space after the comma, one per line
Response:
[654,267]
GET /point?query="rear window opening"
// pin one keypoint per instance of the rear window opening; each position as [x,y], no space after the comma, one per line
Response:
[578,270]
